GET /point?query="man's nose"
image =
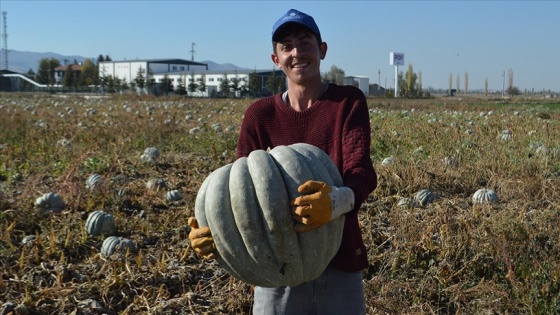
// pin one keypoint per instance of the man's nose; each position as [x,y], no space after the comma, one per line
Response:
[295,51]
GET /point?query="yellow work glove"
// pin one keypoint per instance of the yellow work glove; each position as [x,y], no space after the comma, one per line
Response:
[201,240]
[319,204]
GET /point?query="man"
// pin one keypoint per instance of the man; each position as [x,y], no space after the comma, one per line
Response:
[335,119]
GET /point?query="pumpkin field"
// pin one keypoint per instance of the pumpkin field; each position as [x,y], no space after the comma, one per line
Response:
[95,193]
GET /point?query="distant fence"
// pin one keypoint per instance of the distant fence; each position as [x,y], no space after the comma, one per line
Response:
[15,82]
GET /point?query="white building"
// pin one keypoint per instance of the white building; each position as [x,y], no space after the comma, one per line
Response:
[360,82]
[179,71]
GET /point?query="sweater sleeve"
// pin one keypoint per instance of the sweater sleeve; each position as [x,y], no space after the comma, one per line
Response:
[358,172]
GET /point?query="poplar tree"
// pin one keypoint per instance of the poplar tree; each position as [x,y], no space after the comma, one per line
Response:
[410,84]
[334,75]
[420,92]
[512,90]
[466,83]
[450,83]
[69,79]
[510,78]
[89,73]
[42,76]
[45,73]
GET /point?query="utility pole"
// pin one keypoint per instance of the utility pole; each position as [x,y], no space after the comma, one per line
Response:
[378,79]
[5,40]
[192,51]
[503,82]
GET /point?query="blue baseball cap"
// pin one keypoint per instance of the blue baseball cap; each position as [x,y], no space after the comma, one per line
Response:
[295,16]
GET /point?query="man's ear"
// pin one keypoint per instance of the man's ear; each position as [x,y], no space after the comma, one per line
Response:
[275,60]
[323,50]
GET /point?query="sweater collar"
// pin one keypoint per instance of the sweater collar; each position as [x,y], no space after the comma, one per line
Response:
[287,102]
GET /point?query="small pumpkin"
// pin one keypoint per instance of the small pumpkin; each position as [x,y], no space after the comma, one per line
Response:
[113,244]
[450,161]
[156,184]
[246,204]
[64,143]
[121,192]
[406,203]
[100,223]
[50,202]
[93,181]
[217,127]
[387,161]
[424,197]
[507,135]
[485,196]
[28,239]
[150,155]
[543,150]
[174,195]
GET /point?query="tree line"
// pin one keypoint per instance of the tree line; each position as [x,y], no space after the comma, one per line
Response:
[256,85]
[87,75]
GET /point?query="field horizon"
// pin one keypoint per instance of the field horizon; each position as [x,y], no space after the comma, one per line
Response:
[449,255]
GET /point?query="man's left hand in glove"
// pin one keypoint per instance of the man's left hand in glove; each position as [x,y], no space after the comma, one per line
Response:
[319,204]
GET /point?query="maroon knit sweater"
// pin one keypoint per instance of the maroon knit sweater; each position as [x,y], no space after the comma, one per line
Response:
[337,123]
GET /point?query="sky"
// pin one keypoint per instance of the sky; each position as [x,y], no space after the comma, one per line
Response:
[485,39]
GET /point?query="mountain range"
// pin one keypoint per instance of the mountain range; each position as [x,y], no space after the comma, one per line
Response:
[23,61]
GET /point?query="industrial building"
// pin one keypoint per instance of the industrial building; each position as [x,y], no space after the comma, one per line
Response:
[360,82]
[179,71]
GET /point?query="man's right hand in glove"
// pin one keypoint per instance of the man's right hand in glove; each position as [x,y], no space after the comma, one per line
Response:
[201,240]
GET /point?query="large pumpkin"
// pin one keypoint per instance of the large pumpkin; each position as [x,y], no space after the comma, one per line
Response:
[246,204]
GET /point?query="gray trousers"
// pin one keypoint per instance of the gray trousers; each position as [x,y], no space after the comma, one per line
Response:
[335,292]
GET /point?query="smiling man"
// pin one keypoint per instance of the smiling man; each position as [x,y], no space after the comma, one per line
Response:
[336,120]
[298,50]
